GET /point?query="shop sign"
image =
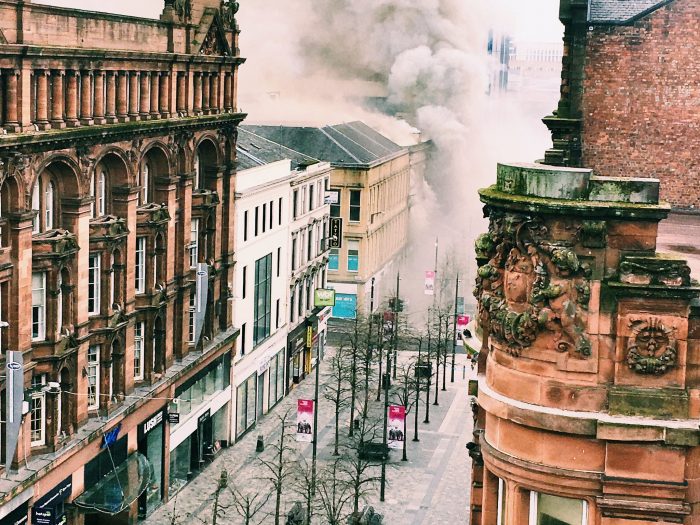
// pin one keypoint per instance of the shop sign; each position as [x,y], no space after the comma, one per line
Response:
[264,362]
[152,423]
[45,512]
[174,418]
[16,517]
[331,197]
[324,297]
[204,417]
[309,336]
[336,232]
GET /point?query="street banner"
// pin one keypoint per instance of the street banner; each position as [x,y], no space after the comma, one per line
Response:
[201,298]
[462,322]
[388,325]
[460,305]
[397,415]
[305,420]
[429,282]
[14,396]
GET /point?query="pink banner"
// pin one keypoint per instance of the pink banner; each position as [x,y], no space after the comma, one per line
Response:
[462,322]
[397,415]
[429,282]
[305,420]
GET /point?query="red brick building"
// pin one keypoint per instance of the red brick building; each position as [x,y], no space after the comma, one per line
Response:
[117,170]
[630,85]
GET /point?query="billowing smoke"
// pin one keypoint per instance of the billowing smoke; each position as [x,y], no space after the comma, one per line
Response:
[318,62]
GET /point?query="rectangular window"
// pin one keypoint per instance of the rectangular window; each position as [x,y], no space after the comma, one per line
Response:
[139,330]
[93,377]
[333,259]
[194,242]
[140,267]
[245,225]
[263,298]
[190,329]
[335,208]
[243,339]
[294,253]
[257,220]
[355,205]
[94,284]
[264,217]
[555,510]
[38,411]
[271,214]
[353,256]
[311,197]
[279,212]
[277,314]
[244,282]
[292,297]
[279,259]
[309,244]
[295,204]
[302,203]
[38,306]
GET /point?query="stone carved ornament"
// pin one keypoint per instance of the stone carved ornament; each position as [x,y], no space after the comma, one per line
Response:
[651,349]
[530,287]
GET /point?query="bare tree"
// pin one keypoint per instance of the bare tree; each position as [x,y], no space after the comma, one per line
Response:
[333,492]
[404,393]
[303,485]
[356,466]
[337,388]
[249,505]
[278,466]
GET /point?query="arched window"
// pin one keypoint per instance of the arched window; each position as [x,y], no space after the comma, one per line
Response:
[98,192]
[48,205]
[197,172]
[144,182]
[44,204]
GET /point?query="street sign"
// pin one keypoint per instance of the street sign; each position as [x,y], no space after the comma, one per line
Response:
[336,232]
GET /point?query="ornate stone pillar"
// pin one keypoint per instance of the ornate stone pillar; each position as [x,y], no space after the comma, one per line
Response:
[214,94]
[19,309]
[42,99]
[86,98]
[133,95]
[57,99]
[197,105]
[145,97]
[111,97]
[155,83]
[72,98]
[98,110]
[228,106]
[11,115]
[205,93]
[164,92]
[122,115]
[181,93]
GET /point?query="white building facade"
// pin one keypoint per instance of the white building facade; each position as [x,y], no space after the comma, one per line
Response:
[308,268]
[260,290]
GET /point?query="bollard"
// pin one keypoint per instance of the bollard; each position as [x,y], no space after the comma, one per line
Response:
[260,446]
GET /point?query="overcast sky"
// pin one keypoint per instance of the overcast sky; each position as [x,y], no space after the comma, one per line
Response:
[533,20]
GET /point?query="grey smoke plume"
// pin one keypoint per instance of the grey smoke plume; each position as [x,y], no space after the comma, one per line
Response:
[427,59]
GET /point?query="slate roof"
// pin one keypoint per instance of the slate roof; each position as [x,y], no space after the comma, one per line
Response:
[621,11]
[255,150]
[349,144]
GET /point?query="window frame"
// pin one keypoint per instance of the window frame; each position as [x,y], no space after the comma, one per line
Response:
[38,398]
[262,305]
[94,283]
[140,265]
[139,350]
[93,371]
[194,242]
[41,319]
[355,207]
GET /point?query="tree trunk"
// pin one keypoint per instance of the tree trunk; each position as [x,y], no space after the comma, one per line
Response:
[337,416]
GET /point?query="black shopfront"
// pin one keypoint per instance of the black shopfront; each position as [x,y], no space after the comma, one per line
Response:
[50,509]
[296,344]
[151,443]
[16,517]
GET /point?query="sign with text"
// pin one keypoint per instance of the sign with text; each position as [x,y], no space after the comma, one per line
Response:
[429,282]
[397,415]
[336,232]
[331,197]
[324,297]
[305,420]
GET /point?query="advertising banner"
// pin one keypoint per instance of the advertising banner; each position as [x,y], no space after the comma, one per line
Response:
[461,325]
[388,325]
[305,420]
[397,414]
[14,395]
[429,282]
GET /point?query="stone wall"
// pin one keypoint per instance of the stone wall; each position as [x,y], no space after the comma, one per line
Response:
[640,101]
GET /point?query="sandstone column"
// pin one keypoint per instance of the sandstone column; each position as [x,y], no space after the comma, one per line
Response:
[133,95]
[155,77]
[11,117]
[72,98]
[164,92]
[227,93]
[181,93]
[111,97]
[197,105]
[86,98]
[98,110]
[145,96]
[42,99]
[57,99]
[214,95]
[205,93]
[122,115]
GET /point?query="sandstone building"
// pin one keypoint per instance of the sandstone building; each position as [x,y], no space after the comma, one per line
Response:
[629,88]
[117,172]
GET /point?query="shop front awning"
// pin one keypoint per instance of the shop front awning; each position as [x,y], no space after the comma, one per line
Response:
[120,488]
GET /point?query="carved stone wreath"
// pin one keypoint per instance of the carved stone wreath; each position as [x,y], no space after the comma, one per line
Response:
[652,348]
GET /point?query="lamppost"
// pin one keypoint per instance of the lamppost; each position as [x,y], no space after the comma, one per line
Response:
[418,368]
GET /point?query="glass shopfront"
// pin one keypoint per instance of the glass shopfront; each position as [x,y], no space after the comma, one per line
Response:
[245,405]
[276,379]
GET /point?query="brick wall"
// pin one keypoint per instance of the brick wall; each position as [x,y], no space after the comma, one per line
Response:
[641,101]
